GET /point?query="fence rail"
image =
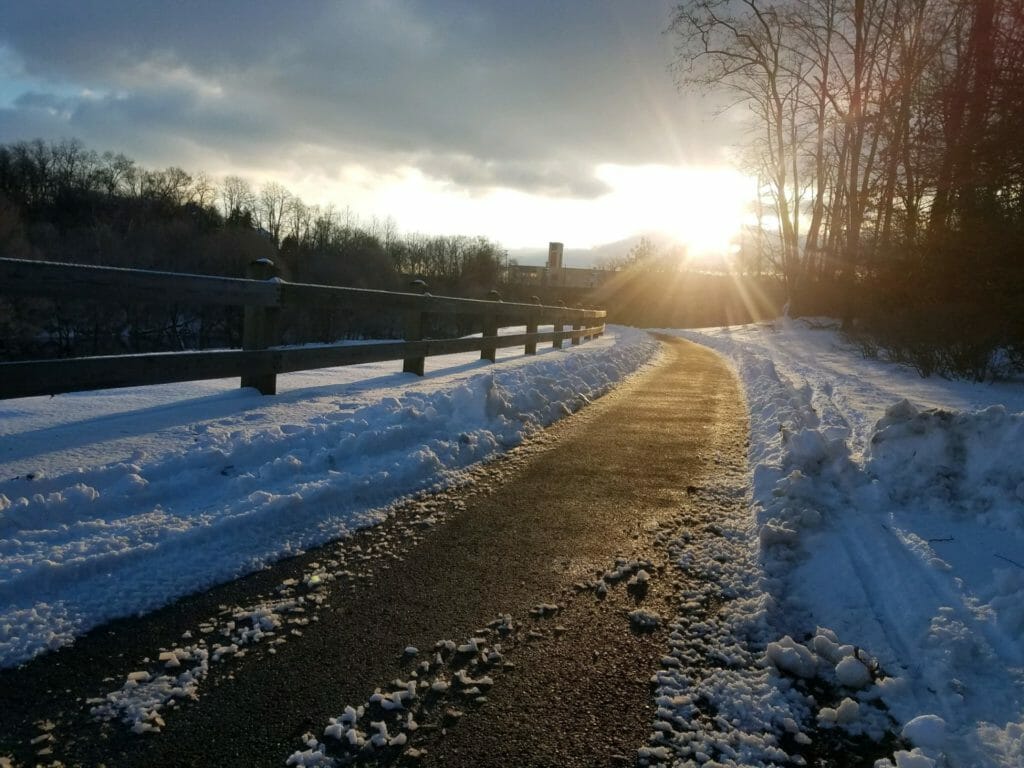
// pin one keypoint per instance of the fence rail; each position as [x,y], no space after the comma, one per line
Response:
[263,296]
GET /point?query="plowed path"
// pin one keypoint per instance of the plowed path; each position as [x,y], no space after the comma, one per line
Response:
[571,687]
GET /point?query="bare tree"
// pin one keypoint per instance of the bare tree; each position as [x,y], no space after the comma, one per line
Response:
[236,197]
[272,206]
[741,46]
[171,186]
[203,192]
[299,220]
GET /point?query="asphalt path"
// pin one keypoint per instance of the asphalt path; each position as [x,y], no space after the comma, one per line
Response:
[526,538]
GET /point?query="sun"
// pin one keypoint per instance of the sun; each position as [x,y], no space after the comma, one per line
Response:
[703,208]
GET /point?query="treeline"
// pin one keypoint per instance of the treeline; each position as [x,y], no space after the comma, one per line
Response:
[886,135]
[653,286]
[64,202]
[674,298]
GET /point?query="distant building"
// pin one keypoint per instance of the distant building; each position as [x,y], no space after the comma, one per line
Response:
[554,275]
[555,255]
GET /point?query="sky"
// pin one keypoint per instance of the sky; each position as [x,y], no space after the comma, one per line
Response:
[524,122]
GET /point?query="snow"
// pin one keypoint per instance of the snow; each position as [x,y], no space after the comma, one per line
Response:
[889,530]
[114,503]
[852,672]
[429,698]
[871,584]
[925,731]
[642,618]
[789,656]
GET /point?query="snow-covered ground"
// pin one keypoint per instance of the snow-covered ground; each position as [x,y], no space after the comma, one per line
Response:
[888,527]
[879,565]
[114,503]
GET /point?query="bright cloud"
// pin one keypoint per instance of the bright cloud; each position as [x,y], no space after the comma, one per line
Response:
[523,122]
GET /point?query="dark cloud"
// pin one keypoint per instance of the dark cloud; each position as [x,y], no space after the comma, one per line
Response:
[530,95]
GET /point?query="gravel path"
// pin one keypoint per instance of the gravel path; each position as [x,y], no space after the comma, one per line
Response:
[565,682]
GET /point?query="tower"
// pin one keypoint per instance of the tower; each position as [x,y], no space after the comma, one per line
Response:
[555,255]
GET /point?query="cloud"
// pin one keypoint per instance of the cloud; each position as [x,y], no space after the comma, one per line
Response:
[549,178]
[529,96]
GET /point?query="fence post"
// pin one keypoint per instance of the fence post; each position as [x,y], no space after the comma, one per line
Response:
[559,324]
[490,328]
[531,327]
[588,322]
[260,328]
[415,320]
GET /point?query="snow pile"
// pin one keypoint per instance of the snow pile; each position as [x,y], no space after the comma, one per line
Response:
[968,463]
[178,673]
[890,510]
[634,572]
[116,503]
[718,702]
[139,701]
[438,691]
[851,676]
[877,590]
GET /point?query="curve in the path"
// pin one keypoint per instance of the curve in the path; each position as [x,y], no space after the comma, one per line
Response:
[574,688]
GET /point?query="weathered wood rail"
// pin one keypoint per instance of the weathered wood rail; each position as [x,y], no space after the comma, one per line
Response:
[263,296]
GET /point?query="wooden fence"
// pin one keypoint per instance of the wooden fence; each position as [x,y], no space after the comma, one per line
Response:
[263,296]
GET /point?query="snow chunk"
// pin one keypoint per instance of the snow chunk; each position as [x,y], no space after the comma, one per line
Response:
[642,618]
[787,655]
[927,731]
[913,759]
[473,645]
[852,672]
[847,711]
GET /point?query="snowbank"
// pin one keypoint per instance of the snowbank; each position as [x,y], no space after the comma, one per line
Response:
[117,503]
[889,514]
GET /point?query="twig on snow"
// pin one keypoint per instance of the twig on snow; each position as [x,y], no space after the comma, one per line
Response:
[1011,562]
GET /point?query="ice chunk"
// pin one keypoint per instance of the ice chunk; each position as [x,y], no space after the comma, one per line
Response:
[170,659]
[468,682]
[398,741]
[472,646]
[335,729]
[381,737]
